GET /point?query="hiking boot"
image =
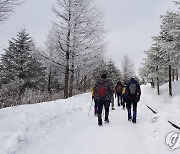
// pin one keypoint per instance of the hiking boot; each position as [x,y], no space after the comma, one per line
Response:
[129,114]
[100,122]
[118,104]
[112,108]
[133,121]
[129,118]
[134,116]
[106,119]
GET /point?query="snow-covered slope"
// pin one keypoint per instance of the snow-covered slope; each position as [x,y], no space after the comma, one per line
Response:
[64,127]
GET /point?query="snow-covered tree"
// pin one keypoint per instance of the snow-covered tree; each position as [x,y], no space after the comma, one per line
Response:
[169,39]
[127,68]
[80,38]
[113,72]
[164,56]
[109,67]
[52,61]
[18,63]
[154,71]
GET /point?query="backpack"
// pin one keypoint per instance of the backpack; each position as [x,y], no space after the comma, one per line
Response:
[123,90]
[132,88]
[102,90]
[119,89]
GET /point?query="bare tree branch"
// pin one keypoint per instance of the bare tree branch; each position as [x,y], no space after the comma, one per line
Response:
[7,7]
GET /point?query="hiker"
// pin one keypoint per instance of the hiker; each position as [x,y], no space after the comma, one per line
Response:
[133,93]
[95,103]
[118,92]
[124,96]
[112,101]
[103,92]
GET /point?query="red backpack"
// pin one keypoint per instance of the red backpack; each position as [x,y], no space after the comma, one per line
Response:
[102,91]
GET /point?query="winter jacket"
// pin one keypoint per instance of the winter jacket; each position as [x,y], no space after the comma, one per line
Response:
[117,92]
[137,93]
[108,86]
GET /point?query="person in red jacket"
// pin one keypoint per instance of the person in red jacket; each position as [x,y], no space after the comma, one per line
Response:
[103,91]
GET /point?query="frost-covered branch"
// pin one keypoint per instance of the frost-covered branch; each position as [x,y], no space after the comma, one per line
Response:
[7,7]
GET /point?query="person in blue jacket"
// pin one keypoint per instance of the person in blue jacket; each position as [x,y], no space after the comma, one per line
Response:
[133,93]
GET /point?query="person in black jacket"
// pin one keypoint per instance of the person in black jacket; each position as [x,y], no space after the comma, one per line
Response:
[118,93]
[133,93]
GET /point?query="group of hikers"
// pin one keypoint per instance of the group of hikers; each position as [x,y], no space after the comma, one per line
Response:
[127,94]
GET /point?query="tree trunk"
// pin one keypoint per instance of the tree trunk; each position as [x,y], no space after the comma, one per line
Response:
[71,81]
[77,79]
[158,91]
[157,70]
[143,81]
[71,87]
[49,81]
[85,83]
[66,82]
[170,82]
[66,77]
[173,74]
[152,83]
[177,74]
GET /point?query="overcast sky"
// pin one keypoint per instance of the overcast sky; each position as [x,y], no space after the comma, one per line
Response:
[131,23]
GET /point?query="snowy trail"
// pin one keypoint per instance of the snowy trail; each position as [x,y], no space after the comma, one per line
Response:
[84,136]
[64,127]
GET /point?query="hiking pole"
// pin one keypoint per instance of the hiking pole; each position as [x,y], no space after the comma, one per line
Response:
[90,107]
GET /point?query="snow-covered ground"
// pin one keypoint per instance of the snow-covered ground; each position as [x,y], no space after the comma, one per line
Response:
[64,127]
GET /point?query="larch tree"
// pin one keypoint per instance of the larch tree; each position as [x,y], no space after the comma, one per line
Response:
[80,38]
[53,61]
[127,68]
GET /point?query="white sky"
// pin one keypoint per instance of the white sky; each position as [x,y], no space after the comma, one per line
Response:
[131,23]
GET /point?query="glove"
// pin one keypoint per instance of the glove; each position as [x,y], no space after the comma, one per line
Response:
[137,99]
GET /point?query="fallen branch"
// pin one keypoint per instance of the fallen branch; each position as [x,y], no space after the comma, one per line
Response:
[151,109]
[174,125]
